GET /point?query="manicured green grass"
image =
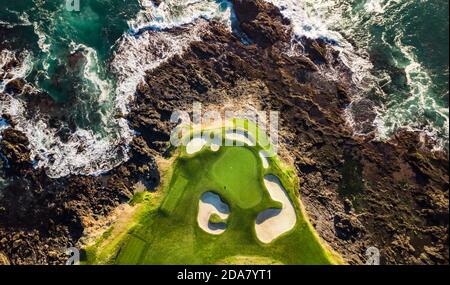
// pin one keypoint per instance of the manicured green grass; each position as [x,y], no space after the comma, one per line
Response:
[170,202]
[236,170]
[166,230]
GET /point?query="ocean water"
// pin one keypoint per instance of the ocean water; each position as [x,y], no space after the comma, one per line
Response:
[90,62]
[399,51]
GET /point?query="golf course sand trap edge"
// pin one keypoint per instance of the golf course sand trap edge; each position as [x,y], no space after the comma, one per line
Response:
[195,145]
[236,136]
[263,155]
[272,223]
[210,203]
[215,143]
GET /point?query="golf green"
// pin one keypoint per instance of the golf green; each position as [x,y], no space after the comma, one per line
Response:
[206,212]
[236,170]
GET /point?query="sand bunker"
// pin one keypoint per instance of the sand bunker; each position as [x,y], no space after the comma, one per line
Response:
[209,204]
[241,137]
[272,223]
[195,145]
[264,160]
[232,137]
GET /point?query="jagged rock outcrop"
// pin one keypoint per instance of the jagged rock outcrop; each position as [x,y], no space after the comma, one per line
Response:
[15,86]
[262,22]
[357,192]
[3,259]
[40,217]
[14,147]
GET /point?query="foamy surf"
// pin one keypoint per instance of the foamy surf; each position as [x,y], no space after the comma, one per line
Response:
[86,152]
[83,153]
[135,55]
[338,22]
[404,113]
[175,13]
[152,40]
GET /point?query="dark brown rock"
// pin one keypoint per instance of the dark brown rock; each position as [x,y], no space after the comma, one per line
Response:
[357,192]
[4,259]
[14,147]
[15,86]
[262,22]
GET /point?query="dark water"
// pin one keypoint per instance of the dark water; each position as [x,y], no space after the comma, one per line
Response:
[407,44]
[53,34]
[70,55]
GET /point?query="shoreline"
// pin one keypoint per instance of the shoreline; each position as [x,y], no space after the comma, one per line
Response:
[350,185]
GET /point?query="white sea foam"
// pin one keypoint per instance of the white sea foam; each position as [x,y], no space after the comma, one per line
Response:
[92,71]
[317,20]
[43,41]
[3,125]
[135,55]
[151,43]
[402,114]
[86,152]
[176,13]
[20,71]
[336,21]
[83,153]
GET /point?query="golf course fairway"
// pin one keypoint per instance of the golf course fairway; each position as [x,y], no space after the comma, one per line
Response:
[214,207]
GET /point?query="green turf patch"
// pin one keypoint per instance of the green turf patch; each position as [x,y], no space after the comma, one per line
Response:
[236,172]
[216,219]
[167,229]
[170,202]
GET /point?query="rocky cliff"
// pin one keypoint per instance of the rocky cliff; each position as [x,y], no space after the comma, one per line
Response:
[357,192]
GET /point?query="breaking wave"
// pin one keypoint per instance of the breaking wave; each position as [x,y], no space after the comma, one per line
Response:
[386,44]
[175,13]
[100,140]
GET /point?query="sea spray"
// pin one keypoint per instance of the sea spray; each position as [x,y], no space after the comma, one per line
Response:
[394,59]
[98,145]
[175,13]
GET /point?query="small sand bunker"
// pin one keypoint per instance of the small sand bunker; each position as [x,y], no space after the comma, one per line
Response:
[241,137]
[272,223]
[263,155]
[209,204]
[195,145]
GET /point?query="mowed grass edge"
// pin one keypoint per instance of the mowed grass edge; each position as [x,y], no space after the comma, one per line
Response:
[109,246]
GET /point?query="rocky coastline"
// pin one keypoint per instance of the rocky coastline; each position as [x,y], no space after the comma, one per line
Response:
[358,192]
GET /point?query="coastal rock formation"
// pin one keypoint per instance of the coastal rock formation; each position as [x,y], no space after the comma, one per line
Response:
[262,22]
[40,217]
[14,146]
[357,192]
